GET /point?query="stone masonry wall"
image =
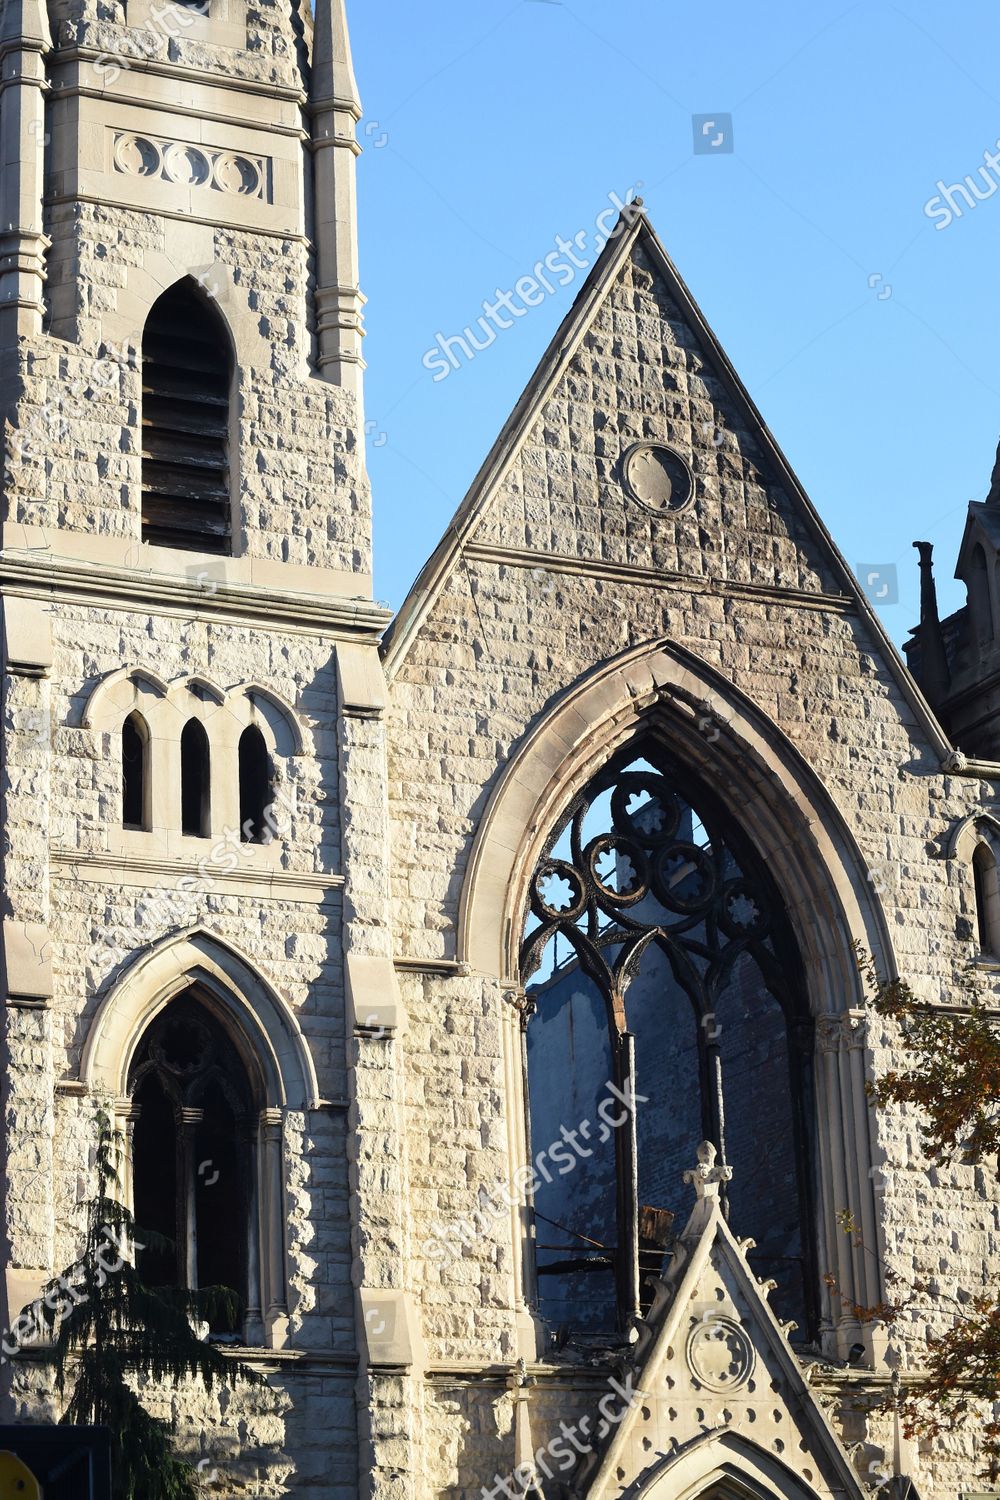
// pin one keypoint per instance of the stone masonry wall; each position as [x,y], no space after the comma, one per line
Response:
[73,459]
[509,635]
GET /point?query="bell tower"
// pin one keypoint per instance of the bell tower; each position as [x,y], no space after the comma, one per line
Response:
[191,690]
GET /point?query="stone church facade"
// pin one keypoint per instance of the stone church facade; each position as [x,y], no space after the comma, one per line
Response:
[472,988]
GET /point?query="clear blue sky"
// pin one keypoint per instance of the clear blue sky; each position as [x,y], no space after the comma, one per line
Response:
[492,128]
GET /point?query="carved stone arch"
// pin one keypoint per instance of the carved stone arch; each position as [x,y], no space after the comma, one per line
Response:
[729,1466]
[262,1026]
[192,256]
[115,695]
[978,827]
[272,1049]
[830,899]
[738,751]
[275,718]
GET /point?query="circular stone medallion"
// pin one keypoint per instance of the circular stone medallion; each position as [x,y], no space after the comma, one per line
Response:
[658,478]
[720,1356]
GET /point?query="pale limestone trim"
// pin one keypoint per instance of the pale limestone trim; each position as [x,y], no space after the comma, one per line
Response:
[251,591]
[171,72]
[223,25]
[27,638]
[725,1466]
[968,833]
[825,879]
[391,1329]
[658,578]
[165,709]
[165,871]
[816,864]
[27,961]
[361,688]
[192,258]
[261,1024]
[374,1003]
[708,1243]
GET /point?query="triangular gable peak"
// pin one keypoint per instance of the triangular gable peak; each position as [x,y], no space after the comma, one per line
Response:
[719,1402]
[784,544]
[982,528]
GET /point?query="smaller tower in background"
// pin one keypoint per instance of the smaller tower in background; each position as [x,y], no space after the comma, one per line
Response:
[957,660]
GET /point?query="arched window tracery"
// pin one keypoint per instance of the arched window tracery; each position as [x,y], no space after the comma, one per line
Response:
[658,963]
[193,1121]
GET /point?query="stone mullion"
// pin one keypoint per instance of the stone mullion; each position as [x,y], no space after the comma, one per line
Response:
[386,1394]
[834,1192]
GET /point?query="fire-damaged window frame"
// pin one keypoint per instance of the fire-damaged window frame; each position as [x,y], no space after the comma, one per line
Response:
[642,1232]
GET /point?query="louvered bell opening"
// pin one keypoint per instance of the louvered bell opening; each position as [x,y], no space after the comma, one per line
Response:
[185,426]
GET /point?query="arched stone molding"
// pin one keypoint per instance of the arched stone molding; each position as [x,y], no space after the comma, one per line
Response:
[726,1464]
[666,690]
[191,254]
[977,828]
[263,1028]
[225,713]
[274,1052]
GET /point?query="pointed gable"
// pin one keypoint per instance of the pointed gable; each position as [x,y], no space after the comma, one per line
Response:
[724,1403]
[634,365]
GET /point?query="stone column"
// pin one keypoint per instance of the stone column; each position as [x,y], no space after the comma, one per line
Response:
[336,110]
[24,42]
[273,1217]
[845,1184]
[387,1325]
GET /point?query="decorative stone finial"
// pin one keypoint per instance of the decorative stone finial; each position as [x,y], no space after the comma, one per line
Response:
[706,1178]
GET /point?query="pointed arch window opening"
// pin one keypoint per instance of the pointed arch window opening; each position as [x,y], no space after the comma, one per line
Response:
[196,781]
[192,1128]
[187,378]
[986,876]
[135,773]
[256,777]
[649,895]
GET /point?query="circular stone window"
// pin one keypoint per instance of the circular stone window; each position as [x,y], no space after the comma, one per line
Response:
[658,478]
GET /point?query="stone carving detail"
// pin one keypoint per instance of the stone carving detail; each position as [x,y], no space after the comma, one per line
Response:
[720,1356]
[658,478]
[232,172]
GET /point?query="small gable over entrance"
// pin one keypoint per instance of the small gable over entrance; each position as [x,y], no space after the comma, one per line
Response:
[722,1408]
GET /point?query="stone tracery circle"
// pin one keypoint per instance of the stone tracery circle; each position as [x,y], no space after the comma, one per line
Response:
[720,1355]
[657,478]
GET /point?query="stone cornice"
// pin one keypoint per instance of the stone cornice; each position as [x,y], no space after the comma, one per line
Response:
[595,567]
[130,869]
[85,53]
[160,594]
[83,91]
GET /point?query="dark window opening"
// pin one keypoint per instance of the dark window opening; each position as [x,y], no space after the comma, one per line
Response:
[658,959]
[195,780]
[192,1157]
[186,379]
[255,786]
[135,750]
[987,882]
